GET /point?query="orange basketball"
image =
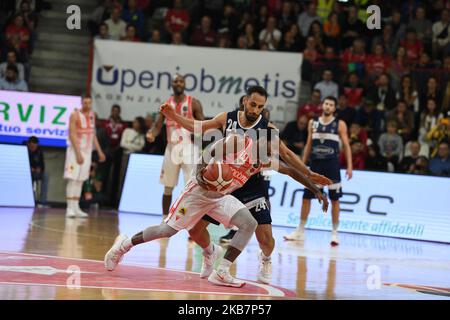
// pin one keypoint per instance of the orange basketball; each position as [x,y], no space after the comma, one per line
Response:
[218,176]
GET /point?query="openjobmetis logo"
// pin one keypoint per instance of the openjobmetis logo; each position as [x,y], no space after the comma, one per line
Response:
[106,77]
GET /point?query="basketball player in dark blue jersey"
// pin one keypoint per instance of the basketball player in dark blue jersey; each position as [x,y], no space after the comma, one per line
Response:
[322,149]
[250,118]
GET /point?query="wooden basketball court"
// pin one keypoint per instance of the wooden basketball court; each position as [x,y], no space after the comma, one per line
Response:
[43,255]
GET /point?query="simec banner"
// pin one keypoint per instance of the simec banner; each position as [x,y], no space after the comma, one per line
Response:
[25,114]
[385,204]
[138,77]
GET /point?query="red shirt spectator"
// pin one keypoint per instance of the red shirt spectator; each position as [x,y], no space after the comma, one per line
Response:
[358,156]
[354,91]
[378,62]
[114,127]
[177,19]
[414,47]
[18,29]
[203,35]
[311,53]
[354,57]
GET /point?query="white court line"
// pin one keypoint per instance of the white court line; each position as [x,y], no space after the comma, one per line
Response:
[271,291]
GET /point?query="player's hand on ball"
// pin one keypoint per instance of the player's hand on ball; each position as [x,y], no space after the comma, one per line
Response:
[320,179]
[200,180]
[167,111]
[101,157]
[323,200]
[150,137]
[80,159]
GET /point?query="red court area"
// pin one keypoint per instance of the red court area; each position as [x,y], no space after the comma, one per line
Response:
[30,269]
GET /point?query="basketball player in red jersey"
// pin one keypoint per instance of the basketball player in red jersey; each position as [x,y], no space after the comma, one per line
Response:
[249,119]
[179,150]
[196,200]
[80,143]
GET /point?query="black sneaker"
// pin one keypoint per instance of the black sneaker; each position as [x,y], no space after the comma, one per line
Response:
[227,238]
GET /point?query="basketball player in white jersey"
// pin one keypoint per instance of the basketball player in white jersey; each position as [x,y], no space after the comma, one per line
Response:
[80,144]
[178,154]
[197,199]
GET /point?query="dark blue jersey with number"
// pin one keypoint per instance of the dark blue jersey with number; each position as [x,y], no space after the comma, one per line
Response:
[325,140]
[258,185]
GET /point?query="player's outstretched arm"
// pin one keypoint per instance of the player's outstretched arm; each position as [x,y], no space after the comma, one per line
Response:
[155,130]
[301,178]
[294,162]
[218,122]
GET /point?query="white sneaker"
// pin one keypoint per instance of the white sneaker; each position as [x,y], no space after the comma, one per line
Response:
[296,235]
[209,260]
[334,239]
[265,269]
[224,278]
[115,254]
[80,213]
[70,213]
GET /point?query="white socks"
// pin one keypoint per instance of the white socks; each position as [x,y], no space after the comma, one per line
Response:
[225,265]
[335,227]
[301,227]
[73,190]
[264,258]
[209,249]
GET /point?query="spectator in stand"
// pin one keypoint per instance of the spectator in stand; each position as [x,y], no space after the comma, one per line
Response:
[311,54]
[332,31]
[409,93]
[399,27]
[30,19]
[445,106]
[11,58]
[306,18]
[131,34]
[295,134]
[353,90]
[429,118]
[313,107]
[11,81]
[204,35]
[343,112]
[103,32]
[245,18]
[155,36]
[176,19]
[425,62]
[114,128]
[132,15]
[37,165]
[250,36]
[403,118]
[371,119]
[354,58]
[437,134]
[387,40]
[419,167]
[382,93]
[133,140]
[422,26]
[374,160]
[324,8]
[261,19]
[377,62]
[270,35]
[316,31]
[223,40]
[177,39]
[391,144]
[408,161]
[300,42]
[413,46]
[228,22]
[352,28]
[241,42]
[100,14]
[440,165]
[327,86]
[441,35]
[330,61]
[399,67]
[358,133]
[17,29]
[116,25]
[358,156]
[286,17]
[288,44]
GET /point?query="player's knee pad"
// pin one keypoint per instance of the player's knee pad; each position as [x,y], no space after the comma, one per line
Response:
[168,191]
